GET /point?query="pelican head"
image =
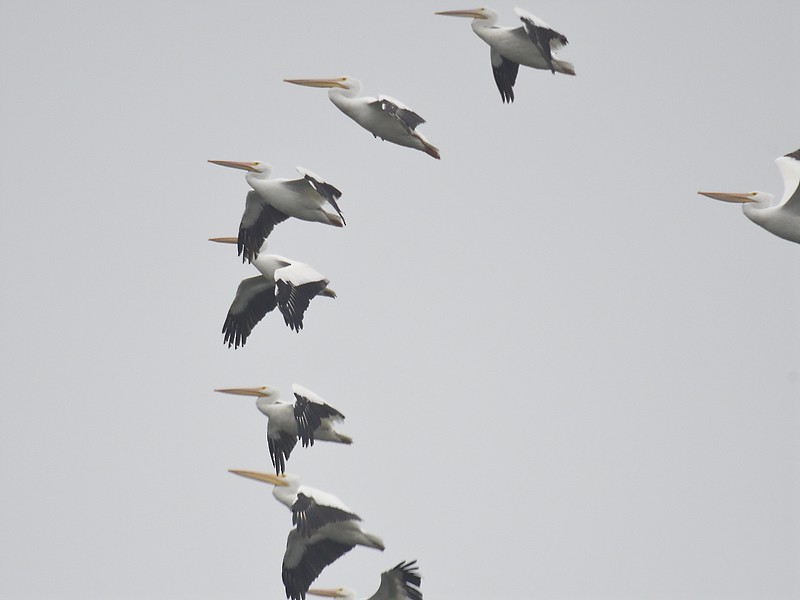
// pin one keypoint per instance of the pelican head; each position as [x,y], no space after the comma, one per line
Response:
[286,485]
[265,395]
[255,170]
[470,13]
[333,592]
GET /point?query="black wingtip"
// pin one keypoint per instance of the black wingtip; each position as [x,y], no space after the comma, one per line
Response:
[795,155]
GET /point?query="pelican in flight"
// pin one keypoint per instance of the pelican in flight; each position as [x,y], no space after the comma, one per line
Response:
[383,117]
[780,218]
[308,418]
[400,583]
[285,283]
[272,201]
[325,529]
[532,45]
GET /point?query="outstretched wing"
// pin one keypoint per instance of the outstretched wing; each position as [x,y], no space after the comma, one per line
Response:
[308,515]
[505,75]
[304,560]
[402,581]
[258,221]
[407,117]
[542,35]
[255,297]
[296,285]
[309,412]
[280,443]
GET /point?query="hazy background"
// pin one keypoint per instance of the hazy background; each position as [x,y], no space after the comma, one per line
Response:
[567,375]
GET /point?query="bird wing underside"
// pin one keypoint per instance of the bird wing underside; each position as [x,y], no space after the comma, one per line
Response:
[281,444]
[293,300]
[258,221]
[309,415]
[315,557]
[542,35]
[407,117]
[505,75]
[402,581]
[308,515]
[255,297]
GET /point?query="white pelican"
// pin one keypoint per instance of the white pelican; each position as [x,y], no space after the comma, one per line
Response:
[383,117]
[400,583]
[285,283]
[532,45]
[308,418]
[780,218]
[325,530]
[275,200]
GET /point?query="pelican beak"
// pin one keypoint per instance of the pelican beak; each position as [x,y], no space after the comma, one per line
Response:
[323,83]
[330,593]
[472,13]
[246,166]
[727,197]
[265,477]
[225,240]
[253,391]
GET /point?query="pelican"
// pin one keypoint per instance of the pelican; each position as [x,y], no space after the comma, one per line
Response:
[383,117]
[400,583]
[308,418]
[272,201]
[532,45]
[780,218]
[325,530]
[285,283]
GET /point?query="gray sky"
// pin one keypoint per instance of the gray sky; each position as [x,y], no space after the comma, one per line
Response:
[567,375]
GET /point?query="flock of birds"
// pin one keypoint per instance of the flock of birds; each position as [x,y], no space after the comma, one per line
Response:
[324,528]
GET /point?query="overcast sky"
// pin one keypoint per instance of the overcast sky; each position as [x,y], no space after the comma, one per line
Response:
[567,375]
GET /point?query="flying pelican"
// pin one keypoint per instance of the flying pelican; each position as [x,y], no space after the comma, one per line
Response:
[780,218]
[272,201]
[325,530]
[400,583]
[285,283]
[308,418]
[383,117]
[531,45]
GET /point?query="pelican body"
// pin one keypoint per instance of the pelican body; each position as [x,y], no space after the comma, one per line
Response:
[285,283]
[532,45]
[780,218]
[399,583]
[308,418]
[325,529]
[272,201]
[383,117]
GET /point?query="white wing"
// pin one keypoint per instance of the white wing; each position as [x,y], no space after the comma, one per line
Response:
[323,188]
[310,411]
[789,166]
[544,37]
